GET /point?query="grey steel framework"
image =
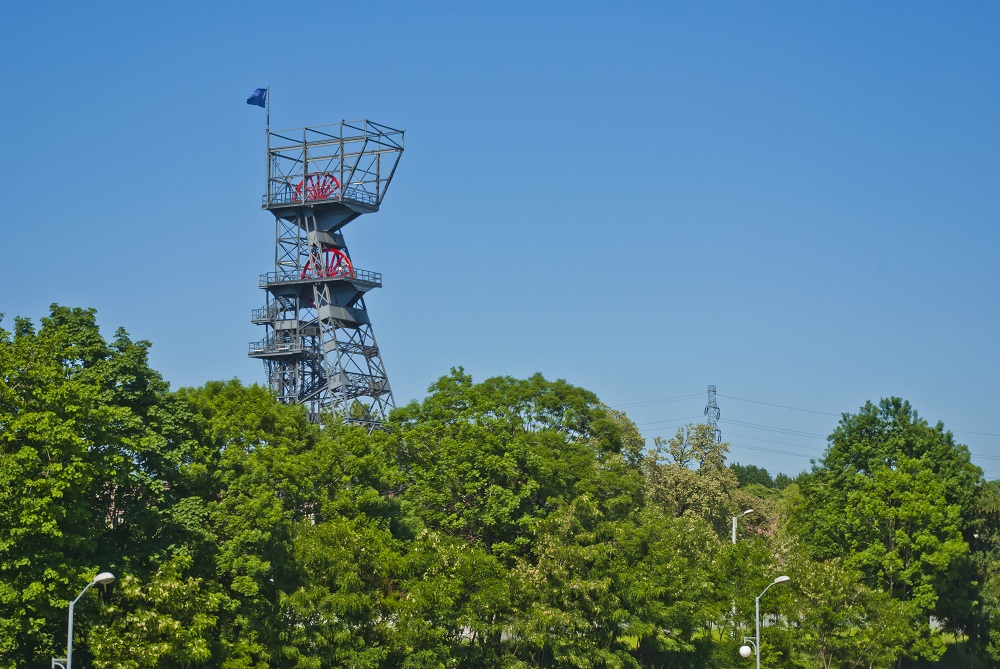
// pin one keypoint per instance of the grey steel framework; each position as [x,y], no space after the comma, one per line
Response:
[319,348]
[713,413]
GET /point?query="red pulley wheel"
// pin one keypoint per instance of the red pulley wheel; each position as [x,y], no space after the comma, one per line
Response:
[318,187]
[329,263]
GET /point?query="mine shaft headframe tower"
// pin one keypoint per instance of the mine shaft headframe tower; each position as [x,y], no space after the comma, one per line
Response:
[319,348]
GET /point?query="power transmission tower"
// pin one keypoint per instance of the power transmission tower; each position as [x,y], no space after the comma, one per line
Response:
[713,413]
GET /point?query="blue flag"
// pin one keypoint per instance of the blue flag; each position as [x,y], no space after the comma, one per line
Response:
[258,98]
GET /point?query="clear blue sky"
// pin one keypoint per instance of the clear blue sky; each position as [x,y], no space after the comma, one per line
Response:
[794,201]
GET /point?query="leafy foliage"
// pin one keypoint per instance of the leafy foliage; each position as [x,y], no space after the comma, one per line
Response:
[751,474]
[505,523]
[87,448]
[895,498]
[687,475]
[170,618]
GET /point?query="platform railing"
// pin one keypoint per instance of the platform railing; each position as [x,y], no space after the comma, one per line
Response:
[361,196]
[285,194]
[264,314]
[271,346]
[357,275]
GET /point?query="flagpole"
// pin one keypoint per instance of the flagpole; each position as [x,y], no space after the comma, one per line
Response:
[267,146]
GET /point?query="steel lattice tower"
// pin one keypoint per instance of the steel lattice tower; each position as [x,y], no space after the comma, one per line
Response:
[713,414]
[319,348]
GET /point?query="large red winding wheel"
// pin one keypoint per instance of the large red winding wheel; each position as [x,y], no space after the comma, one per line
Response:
[333,262]
[320,186]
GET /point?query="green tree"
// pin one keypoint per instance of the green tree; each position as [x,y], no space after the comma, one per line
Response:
[687,475]
[747,474]
[341,601]
[843,623]
[984,633]
[488,461]
[490,467]
[574,615]
[904,535]
[457,604]
[260,489]
[168,620]
[666,577]
[305,528]
[782,481]
[896,499]
[91,457]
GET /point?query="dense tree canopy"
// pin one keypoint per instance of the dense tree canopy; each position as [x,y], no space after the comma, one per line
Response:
[88,440]
[501,523]
[896,499]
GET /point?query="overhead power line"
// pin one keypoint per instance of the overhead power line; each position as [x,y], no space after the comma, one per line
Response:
[668,420]
[771,450]
[780,406]
[782,443]
[651,402]
[771,428]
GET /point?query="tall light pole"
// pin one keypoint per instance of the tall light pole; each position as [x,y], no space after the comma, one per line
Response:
[755,640]
[735,518]
[103,578]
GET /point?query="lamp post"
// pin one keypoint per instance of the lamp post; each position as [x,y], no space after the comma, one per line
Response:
[735,518]
[755,640]
[103,578]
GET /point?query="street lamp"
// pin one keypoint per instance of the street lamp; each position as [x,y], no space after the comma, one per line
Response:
[755,640]
[103,578]
[735,518]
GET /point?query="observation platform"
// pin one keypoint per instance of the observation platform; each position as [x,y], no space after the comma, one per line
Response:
[286,196]
[275,349]
[349,163]
[361,279]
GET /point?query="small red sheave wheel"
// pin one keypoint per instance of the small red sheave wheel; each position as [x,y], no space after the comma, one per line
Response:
[330,263]
[318,187]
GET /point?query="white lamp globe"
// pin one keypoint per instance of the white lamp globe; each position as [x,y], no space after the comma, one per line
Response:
[745,651]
